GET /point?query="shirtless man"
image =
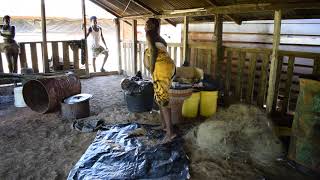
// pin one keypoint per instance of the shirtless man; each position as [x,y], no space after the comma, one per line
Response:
[10,46]
[96,48]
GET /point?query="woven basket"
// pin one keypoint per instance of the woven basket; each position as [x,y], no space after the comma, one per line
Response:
[176,99]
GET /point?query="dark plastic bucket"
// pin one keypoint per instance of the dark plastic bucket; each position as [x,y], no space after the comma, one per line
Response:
[139,102]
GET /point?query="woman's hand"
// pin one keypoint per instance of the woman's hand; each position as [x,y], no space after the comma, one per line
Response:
[154,54]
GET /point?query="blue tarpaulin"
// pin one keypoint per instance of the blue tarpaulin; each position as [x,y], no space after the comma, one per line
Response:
[131,151]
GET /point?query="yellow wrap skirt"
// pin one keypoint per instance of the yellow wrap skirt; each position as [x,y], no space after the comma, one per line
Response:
[162,76]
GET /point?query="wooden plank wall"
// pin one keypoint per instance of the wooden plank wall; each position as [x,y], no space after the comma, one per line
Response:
[293,66]
[297,35]
[292,31]
[174,49]
[65,58]
[247,58]
[245,71]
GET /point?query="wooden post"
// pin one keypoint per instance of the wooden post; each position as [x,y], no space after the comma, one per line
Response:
[65,56]
[1,66]
[274,61]
[263,80]
[44,38]
[55,55]
[134,46]
[290,69]
[239,85]
[185,56]
[181,56]
[277,84]
[175,59]
[218,45]
[119,45]
[76,58]
[228,73]
[209,60]
[84,21]
[140,57]
[169,51]
[125,67]
[316,66]
[34,57]
[22,55]
[251,77]
[130,58]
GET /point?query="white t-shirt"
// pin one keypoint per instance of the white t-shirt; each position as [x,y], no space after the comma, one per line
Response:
[95,37]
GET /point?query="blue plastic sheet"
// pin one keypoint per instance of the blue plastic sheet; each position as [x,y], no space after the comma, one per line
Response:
[132,151]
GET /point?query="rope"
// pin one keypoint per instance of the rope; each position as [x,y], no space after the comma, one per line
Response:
[126,7]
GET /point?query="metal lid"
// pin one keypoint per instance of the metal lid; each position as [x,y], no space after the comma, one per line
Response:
[77,98]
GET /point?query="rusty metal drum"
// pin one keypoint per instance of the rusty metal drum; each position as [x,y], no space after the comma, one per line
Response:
[305,140]
[45,94]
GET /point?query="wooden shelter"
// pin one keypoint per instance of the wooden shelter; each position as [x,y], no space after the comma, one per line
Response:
[249,74]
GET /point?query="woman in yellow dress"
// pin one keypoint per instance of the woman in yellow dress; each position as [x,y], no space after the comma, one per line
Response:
[162,68]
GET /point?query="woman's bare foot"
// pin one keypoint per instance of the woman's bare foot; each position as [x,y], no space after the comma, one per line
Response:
[160,128]
[168,138]
[163,127]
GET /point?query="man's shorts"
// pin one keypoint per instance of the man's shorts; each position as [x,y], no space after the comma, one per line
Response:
[11,48]
[96,51]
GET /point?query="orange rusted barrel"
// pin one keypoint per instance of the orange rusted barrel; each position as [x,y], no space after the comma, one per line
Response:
[45,95]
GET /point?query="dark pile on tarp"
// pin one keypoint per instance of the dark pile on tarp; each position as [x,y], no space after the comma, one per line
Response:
[137,85]
[132,151]
[138,93]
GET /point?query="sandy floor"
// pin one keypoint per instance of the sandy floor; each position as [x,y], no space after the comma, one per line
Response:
[36,146]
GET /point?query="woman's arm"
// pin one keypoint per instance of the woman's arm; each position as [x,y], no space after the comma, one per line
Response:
[151,40]
[10,34]
[154,54]
[89,31]
[162,41]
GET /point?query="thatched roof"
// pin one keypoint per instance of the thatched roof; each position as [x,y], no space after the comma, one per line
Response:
[233,10]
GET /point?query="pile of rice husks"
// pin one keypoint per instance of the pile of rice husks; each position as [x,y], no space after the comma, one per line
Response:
[230,144]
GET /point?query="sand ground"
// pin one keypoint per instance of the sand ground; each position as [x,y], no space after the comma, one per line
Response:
[37,146]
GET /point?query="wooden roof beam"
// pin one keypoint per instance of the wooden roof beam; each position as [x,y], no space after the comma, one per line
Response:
[230,17]
[144,6]
[104,7]
[232,9]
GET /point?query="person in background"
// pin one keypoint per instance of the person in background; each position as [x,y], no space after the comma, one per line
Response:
[96,48]
[10,46]
[162,68]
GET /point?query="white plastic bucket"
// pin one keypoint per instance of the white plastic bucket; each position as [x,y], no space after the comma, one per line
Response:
[18,97]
